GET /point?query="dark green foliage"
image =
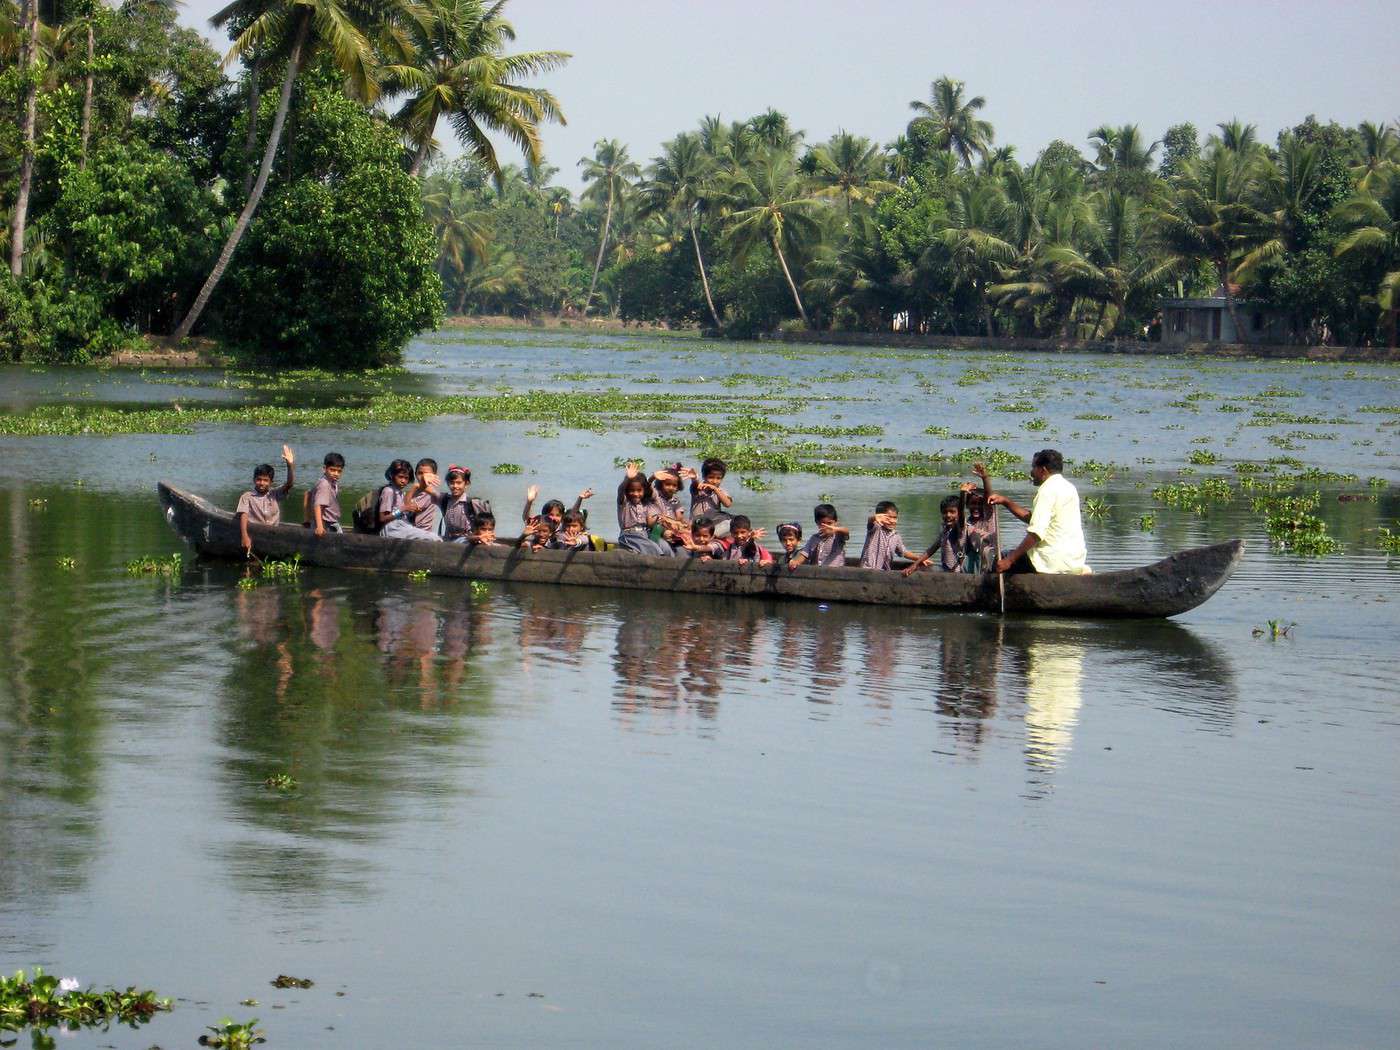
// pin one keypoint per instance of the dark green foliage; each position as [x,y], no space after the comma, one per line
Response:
[337,267]
[1180,148]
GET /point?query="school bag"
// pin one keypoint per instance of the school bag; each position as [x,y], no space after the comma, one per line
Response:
[365,516]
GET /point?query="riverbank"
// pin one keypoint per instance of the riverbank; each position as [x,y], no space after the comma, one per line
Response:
[552,321]
[1238,351]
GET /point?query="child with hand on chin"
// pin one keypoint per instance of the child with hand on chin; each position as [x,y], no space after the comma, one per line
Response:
[263,505]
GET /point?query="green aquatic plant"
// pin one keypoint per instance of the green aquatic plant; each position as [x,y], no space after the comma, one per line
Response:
[479,589]
[41,1001]
[283,980]
[754,484]
[233,1035]
[938,431]
[1094,507]
[1203,457]
[283,569]
[149,565]
[507,468]
[1293,527]
[38,503]
[247,583]
[1020,407]
[1036,424]
[67,563]
[280,782]
[1093,416]
[1274,630]
[1192,496]
[1377,482]
[418,575]
[1388,541]
[1147,522]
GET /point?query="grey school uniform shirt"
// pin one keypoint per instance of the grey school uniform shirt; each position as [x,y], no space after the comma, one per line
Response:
[881,545]
[826,550]
[265,510]
[326,495]
[424,508]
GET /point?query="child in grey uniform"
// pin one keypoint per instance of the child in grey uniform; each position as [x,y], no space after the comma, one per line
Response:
[392,510]
[827,547]
[324,498]
[263,505]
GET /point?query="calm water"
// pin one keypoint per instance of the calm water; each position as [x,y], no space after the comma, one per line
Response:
[578,818]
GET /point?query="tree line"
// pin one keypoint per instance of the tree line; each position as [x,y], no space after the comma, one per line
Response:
[744,226]
[301,209]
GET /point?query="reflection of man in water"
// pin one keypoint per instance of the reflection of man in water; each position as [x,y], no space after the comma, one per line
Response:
[1054,534]
[1053,695]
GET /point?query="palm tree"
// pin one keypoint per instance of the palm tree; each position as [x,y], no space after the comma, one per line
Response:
[956,126]
[461,235]
[240,13]
[607,173]
[973,236]
[771,207]
[29,57]
[1380,153]
[1374,220]
[679,183]
[1283,192]
[772,129]
[458,69]
[1123,159]
[1210,218]
[850,167]
[1110,265]
[299,29]
[1238,137]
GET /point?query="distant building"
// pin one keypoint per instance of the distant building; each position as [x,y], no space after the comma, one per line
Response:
[1208,320]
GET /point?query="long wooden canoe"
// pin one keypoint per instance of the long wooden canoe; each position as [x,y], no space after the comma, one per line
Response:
[1165,588]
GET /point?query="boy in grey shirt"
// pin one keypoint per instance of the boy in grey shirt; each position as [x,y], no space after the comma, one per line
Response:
[263,505]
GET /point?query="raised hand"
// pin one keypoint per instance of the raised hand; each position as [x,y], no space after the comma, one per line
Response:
[980,469]
[631,468]
[585,494]
[532,493]
[287,456]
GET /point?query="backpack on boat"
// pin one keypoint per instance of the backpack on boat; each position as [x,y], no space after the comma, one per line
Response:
[365,516]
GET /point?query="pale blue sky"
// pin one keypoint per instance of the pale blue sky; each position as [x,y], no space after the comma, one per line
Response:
[644,70]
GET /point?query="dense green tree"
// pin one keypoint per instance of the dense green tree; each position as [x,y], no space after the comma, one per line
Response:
[1373,220]
[609,174]
[338,268]
[1180,148]
[679,183]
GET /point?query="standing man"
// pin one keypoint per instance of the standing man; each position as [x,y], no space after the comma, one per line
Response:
[1054,536]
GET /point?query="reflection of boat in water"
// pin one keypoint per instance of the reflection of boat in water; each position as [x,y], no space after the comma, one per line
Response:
[1167,587]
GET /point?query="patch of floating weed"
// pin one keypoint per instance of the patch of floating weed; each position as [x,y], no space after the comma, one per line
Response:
[1094,507]
[153,566]
[1147,522]
[67,563]
[286,569]
[1292,525]
[280,782]
[974,376]
[938,431]
[1203,457]
[479,589]
[42,1001]
[1196,497]
[1388,541]
[229,1034]
[1036,424]
[418,575]
[1093,416]
[1020,407]
[507,468]
[283,980]
[1384,410]
[247,583]
[1377,482]
[1274,630]
[756,484]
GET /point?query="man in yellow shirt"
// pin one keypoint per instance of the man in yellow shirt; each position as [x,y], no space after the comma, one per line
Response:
[1054,535]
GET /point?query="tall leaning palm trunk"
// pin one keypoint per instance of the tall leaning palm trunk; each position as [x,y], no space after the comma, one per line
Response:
[87,99]
[27,121]
[782,261]
[250,141]
[273,139]
[704,277]
[602,248]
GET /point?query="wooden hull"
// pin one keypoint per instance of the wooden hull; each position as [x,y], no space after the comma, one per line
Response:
[1165,588]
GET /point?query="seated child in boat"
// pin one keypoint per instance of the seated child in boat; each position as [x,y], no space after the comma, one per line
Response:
[665,487]
[708,497]
[882,539]
[484,532]
[570,535]
[790,536]
[422,500]
[702,543]
[392,513]
[262,505]
[950,545]
[827,547]
[541,527]
[459,510]
[979,526]
[743,542]
[639,516]
[323,501]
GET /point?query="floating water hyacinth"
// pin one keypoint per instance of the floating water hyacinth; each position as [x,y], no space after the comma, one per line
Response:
[68,984]
[41,1001]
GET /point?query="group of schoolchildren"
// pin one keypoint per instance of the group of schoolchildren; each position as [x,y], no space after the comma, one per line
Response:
[651,519]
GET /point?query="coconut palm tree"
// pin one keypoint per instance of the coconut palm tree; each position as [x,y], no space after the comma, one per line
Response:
[1238,137]
[850,167]
[1283,192]
[772,130]
[1123,158]
[458,69]
[29,58]
[1109,264]
[1374,220]
[298,30]
[973,238]
[1380,153]
[956,126]
[608,174]
[770,206]
[679,184]
[1209,217]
